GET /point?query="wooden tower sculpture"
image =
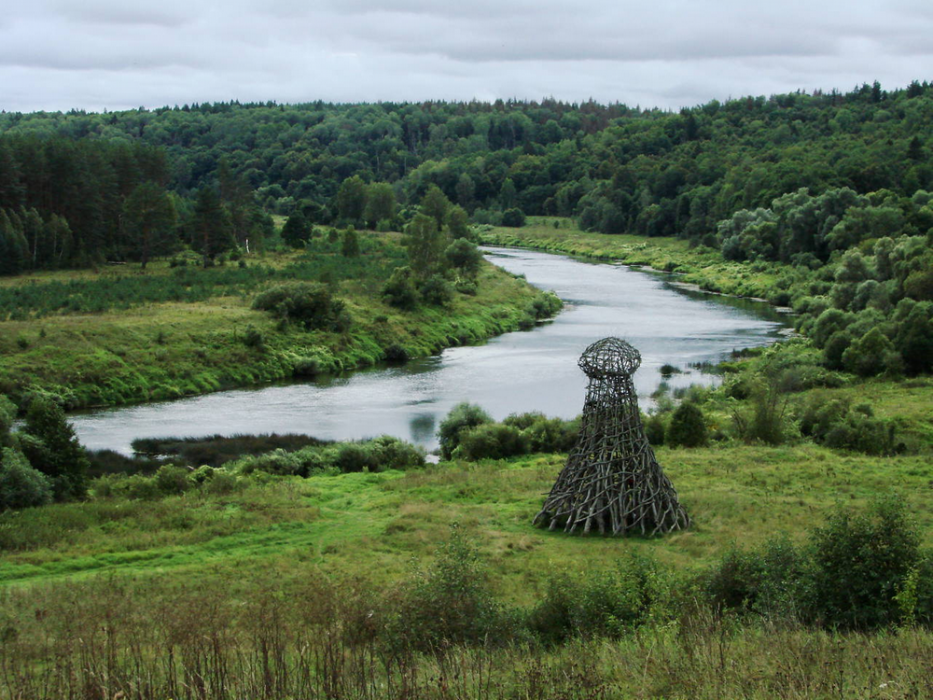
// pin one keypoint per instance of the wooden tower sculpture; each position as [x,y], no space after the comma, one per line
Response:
[612,480]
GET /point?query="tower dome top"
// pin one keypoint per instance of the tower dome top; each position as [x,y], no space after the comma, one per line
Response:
[610,357]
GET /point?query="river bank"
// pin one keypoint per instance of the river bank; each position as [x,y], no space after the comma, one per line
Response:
[135,350]
[703,268]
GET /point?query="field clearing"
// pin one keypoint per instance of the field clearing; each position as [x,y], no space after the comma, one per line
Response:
[373,525]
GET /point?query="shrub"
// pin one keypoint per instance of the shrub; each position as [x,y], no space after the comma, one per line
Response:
[400,290]
[767,581]
[860,564]
[655,429]
[545,434]
[396,353]
[461,417]
[869,355]
[437,291]
[307,303]
[513,218]
[253,337]
[546,305]
[449,603]
[397,454]
[50,445]
[171,480]
[604,603]
[687,427]
[464,256]
[355,457]
[491,441]
[21,486]
[833,423]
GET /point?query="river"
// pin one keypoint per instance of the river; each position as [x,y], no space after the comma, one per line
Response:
[513,373]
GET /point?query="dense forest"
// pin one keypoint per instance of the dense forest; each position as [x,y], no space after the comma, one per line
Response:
[80,187]
[834,188]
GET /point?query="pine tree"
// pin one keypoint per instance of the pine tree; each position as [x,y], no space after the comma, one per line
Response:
[149,219]
[212,230]
[50,445]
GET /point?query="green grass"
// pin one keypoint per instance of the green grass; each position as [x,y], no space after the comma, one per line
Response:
[372,524]
[150,348]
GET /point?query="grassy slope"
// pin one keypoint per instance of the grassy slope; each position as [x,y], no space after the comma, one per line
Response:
[172,349]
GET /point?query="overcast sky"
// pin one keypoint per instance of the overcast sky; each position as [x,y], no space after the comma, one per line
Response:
[116,54]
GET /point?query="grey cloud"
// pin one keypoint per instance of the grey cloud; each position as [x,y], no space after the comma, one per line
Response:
[102,53]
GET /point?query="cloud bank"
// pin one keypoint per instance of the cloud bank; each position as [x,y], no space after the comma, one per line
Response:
[105,54]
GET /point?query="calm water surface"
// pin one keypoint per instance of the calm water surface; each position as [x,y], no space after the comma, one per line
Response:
[516,372]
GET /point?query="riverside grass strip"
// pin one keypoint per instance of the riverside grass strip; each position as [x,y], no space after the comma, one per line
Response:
[154,348]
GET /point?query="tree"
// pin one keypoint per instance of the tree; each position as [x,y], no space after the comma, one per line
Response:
[435,204]
[380,203]
[14,252]
[461,418]
[466,191]
[296,230]
[351,199]
[149,218]
[212,232]
[458,223]
[350,243]
[507,194]
[688,427]
[237,197]
[21,486]
[425,243]
[50,445]
[514,218]
[464,256]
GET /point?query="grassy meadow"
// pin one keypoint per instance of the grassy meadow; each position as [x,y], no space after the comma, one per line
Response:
[123,335]
[373,524]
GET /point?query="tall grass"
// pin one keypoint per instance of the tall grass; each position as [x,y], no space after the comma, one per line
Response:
[322,640]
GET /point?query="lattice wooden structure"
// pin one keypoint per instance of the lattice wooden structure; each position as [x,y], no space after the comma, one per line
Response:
[612,482]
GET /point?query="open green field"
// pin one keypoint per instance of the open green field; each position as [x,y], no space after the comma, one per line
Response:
[126,335]
[373,524]
[284,587]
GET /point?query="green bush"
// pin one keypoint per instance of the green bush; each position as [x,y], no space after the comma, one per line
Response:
[21,486]
[436,291]
[770,580]
[491,441]
[687,427]
[48,440]
[449,603]
[870,355]
[461,417]
[171,480]
[861,563]
[400,290]
[513,218]
[832,422]
[545,434]
[463,255]
[307,303]
[602,603]
[253,337]
[655,429]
